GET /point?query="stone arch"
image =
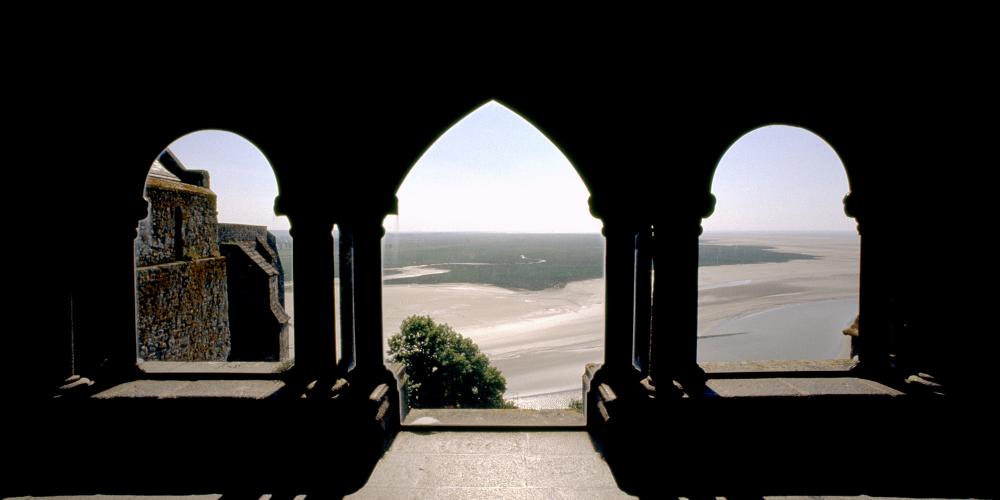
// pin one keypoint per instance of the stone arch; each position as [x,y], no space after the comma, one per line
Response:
[460,111]
[541,136]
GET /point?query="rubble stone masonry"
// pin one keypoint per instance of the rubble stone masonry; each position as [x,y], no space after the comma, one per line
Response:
[183,311]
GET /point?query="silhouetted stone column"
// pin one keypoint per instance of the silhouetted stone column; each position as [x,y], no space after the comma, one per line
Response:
[105,342]
[315,346]
[643,299]
[367,259]
[875,307]
[619,301]
[674,340]
[346,263]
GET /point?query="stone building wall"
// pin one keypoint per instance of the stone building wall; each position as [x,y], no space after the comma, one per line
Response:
[183,312]
[156,242]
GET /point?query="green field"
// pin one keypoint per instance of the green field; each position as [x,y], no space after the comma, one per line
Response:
[722,255]
[524,261]
[515,261]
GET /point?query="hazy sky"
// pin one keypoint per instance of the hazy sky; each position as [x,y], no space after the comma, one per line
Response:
[493,171]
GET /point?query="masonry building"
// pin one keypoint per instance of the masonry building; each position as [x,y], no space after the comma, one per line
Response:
[205,291]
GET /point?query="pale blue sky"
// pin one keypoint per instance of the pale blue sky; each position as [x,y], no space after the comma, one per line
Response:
[240,175]
[780,178]
[493,171]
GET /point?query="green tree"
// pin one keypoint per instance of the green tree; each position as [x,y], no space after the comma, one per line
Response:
[445,369]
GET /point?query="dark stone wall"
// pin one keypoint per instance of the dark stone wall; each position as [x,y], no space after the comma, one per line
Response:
[241,232]
[258,321]
[183,312]
[157,238]
[267,246]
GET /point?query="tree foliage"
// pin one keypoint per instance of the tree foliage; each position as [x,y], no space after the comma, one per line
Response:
[445,369]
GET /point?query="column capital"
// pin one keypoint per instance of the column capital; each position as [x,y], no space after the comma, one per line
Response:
[854,208]
[363,227]
[623,226]
[308,225]
[138,211]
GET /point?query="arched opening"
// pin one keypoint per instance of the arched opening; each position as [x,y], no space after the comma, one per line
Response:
[779,259]
[495,239]
[213,262]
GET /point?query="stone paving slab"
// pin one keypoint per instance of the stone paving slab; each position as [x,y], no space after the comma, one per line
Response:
[508,464]
[840,386]
[737,388]
[559,443]
[429,471]
[480,443]
[484,493]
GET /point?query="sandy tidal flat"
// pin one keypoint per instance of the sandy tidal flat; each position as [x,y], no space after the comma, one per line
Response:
[541,340]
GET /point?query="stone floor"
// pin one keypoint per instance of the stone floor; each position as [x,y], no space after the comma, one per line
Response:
[495,464]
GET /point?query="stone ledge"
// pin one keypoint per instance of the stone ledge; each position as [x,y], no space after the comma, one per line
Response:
[197,389]
[436,418]
[174,368]
[797,387]
[762,367]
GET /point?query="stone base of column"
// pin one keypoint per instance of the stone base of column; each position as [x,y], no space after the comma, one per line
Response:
[376,405]
[690,379]
[610,395]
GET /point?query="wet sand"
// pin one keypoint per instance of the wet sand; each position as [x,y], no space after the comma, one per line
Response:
[737,290]
[730,294]
[798,331]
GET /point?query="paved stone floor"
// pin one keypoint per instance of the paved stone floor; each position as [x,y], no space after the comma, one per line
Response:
[514,464]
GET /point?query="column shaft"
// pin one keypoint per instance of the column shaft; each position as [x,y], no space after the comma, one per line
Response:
[619,301]
[643,299]
[674,339]
[367,253]
[315,345]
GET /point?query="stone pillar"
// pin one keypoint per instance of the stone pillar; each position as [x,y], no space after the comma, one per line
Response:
[366,237]
[105,343]
[875,307]
[642,308]
[674,340]
[315,345]
[346,263]
[619,297]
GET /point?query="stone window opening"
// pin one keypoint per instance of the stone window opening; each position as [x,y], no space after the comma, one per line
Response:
[415,279]
[212,295]
[779,261]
